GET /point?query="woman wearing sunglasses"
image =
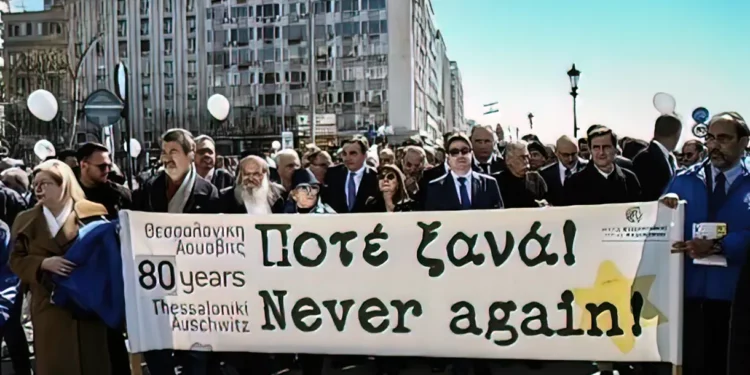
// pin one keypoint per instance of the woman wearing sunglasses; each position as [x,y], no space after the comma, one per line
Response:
[393,195]
[304,197]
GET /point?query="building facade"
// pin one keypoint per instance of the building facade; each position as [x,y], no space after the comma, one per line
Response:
[457,98]
[357,64]
[36,56]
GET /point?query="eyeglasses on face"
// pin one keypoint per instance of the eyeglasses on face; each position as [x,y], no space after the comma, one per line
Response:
[308,189]
[387,176]
[104,167]
[457,151]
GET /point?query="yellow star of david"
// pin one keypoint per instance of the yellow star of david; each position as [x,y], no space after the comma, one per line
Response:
[613,287]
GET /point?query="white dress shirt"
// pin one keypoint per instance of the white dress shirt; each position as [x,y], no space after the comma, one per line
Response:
[357,180]
[55,223]
[561,168]
[603,173]
[458,184]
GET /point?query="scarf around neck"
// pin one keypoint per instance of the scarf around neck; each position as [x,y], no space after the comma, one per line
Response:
[181,197]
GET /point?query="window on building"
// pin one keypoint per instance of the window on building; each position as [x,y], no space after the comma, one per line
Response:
[145,47]
[243,37]
[167,47]
[123,49]
[167,25]
[144,7]
[146,91]
[373,4]
[144,27]
[192,92]
[190,5]
[121,10]
[325,75]
[167,6]
[191,45]
[169,91]
[147,113]
[349,5]
[168,69]
[29,29]
[122,29]
[191,24]
[191,69]
[239,12]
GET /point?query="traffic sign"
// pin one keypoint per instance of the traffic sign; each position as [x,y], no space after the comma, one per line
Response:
[103,108]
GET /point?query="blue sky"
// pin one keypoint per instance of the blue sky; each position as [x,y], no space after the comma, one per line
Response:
[517,52]
[28,5]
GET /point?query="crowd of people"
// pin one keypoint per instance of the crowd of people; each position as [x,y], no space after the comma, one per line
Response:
[44,209]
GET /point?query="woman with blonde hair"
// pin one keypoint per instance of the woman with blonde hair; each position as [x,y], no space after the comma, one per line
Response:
[65,344]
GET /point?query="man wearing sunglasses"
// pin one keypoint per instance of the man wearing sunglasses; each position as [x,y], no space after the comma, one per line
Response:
[95,164]
[693,151]
[461,188]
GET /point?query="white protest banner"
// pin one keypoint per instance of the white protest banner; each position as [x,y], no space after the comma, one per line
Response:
[579,283]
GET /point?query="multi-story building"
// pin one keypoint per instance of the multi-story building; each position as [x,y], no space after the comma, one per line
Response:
[35,54]
[372,63]
[457,98]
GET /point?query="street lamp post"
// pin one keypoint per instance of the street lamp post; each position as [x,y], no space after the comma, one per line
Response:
[574,74]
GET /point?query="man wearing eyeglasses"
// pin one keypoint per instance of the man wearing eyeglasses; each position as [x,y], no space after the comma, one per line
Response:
[693,151]
[95,164]
[461,188]
[718,195]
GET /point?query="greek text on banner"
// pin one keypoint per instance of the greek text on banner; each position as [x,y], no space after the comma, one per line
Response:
[576,283]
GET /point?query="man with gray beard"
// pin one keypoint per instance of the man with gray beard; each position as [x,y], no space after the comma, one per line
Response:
[253,192]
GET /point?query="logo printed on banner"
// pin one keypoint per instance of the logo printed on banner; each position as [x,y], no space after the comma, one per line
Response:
[634,214]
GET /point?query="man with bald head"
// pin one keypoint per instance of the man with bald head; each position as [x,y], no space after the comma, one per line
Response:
[556,174]
[253,192]
[287,161]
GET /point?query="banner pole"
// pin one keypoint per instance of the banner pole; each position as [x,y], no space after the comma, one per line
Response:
[677,370]
[135,364]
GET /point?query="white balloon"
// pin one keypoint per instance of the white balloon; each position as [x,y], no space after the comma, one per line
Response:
[665,103]
[134,149]
[275,145]
[43,105]
[44,149]
[218,107]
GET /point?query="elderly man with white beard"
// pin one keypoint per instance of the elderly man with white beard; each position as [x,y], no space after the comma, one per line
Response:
[253,192]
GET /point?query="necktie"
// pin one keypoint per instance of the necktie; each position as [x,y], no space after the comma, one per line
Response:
[485,167]
[567,175]
[718,195]
[672,164]
[351,192]
[465,200]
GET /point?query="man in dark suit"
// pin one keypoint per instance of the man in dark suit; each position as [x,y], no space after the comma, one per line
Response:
[557,174]
[462,188]
[348,186]
[254,193]
[620,160]
[484,146]
[602,181]
[205,163]
[656,165]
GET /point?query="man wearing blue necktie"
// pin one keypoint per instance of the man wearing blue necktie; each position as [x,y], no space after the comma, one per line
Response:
[718,195]
[461,188]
